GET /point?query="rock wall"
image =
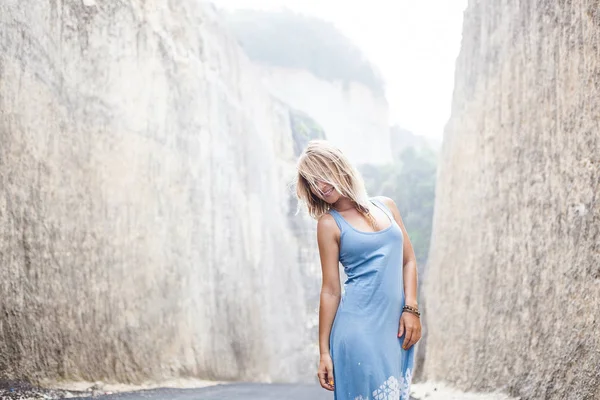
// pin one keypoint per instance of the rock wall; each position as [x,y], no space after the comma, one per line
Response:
[352,116]
[144,200]
[513,287]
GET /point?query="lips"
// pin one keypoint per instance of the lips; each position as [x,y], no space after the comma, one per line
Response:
[328,192]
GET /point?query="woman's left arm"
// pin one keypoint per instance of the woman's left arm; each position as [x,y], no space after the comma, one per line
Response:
[409,323]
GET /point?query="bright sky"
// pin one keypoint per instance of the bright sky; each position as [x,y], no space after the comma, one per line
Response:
[414,43]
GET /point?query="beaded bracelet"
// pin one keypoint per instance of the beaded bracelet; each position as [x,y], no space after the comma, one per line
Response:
[412,310]
[418,314]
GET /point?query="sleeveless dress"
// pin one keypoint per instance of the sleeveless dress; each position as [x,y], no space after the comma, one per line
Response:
[369,362]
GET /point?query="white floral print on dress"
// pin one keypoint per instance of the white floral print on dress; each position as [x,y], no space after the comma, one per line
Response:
[392,389]
[405,384]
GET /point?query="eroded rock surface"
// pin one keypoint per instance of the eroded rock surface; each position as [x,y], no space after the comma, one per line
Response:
[513,287]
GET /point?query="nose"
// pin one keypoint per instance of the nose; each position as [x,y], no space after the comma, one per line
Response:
[322,185]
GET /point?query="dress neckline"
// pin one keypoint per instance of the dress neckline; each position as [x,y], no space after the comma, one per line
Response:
[365,232]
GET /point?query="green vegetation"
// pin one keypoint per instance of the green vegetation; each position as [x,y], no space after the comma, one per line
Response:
[410,181]
[304,129]
[291,40]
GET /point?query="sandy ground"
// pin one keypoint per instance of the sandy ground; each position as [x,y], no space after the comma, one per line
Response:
[81,386]
[70,389]
[98,388]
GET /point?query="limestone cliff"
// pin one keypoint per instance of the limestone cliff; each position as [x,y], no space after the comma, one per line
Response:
[310,65]
[351,114]
[143,199]
[513,286]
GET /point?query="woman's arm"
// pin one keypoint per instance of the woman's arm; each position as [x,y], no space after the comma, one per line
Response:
[328,235]
[408,323]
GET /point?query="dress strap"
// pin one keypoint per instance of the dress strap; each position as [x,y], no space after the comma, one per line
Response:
[383,207]
[339,220]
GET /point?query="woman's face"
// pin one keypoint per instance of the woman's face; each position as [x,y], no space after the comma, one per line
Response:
[325,192]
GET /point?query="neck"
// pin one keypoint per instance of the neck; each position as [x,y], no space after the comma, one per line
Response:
[343,204]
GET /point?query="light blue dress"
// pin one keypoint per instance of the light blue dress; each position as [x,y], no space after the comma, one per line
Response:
[368,360]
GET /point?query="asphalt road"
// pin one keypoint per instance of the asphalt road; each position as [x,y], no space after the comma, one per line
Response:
[234,391]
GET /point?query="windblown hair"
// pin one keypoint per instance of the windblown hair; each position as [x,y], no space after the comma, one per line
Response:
[321,161]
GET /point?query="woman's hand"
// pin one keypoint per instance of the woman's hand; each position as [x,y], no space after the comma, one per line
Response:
[325,372]
[411,325]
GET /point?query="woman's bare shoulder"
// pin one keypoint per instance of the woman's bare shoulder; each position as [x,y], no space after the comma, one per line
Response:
[326,222]
[389,203]
[327,227]
[385,200]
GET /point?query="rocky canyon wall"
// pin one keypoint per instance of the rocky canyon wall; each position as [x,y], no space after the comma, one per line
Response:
[351,114]
[513,287]
[144,206]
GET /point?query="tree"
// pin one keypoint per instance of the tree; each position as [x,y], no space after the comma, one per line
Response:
[410,180]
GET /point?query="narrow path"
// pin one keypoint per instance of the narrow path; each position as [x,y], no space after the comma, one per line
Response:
[235,391]
[230,391]
[264,391]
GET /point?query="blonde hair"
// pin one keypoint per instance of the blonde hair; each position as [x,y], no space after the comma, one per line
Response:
[321,161]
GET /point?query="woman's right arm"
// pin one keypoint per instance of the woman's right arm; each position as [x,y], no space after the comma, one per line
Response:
[328,235]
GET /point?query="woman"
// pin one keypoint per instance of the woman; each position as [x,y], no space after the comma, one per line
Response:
[366,335]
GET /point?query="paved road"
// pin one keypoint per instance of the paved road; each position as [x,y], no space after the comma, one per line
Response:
[235,391]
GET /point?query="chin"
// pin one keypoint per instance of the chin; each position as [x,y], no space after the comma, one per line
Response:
[332,199]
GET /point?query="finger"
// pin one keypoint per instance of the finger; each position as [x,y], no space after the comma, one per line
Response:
[407,338]
[330,376]
[325,383]
[414,339]
[416,335]
[408,331]
[322,380]
[401,330]
[419,336]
